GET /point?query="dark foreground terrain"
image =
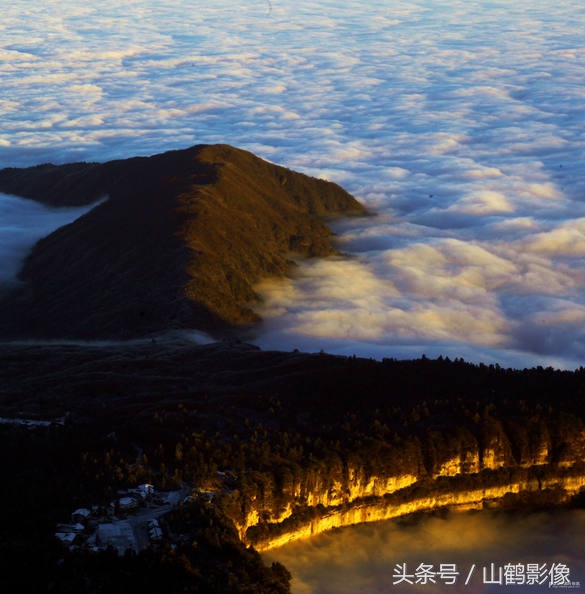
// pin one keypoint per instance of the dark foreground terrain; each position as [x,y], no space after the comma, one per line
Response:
[176,414]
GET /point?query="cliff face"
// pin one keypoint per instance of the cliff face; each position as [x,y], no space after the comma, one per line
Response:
[180,242]
[385,508]
[459,469]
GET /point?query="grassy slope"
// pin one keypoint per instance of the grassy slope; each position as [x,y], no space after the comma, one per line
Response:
[181,242]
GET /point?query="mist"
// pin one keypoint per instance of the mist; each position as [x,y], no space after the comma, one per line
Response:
[459,124]
[362,559]
[22,223]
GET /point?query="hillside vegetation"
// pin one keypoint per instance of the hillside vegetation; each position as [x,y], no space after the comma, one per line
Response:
[180,243]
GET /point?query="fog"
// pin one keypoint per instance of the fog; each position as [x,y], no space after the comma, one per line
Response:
[22,224]
[460,124]
[362,559]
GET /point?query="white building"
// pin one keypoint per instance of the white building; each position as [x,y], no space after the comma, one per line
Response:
[81,515]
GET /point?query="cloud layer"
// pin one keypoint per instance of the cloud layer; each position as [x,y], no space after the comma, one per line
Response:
[460,124]
[22,224]
[363,558]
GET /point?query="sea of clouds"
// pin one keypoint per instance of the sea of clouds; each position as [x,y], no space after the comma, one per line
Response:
[22,223]
[362,559]
[460,124]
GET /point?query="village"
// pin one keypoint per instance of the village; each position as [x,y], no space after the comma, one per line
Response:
[130,522]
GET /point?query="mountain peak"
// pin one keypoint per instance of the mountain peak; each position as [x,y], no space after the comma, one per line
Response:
[180,242]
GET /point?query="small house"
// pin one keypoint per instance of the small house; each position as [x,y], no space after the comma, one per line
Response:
[81,515]
[127,503]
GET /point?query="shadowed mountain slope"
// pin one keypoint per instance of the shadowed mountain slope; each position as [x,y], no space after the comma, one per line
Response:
[180,242]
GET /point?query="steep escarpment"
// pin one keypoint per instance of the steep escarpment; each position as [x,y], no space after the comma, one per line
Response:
[516,492]
[179,242]
[475,467]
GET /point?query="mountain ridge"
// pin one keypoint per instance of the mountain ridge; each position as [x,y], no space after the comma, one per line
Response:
[180,242]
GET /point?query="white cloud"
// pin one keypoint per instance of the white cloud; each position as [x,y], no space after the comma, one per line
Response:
[517,224]
[567,239]
[544,190]
[22,224]
[485,202]
[482,173]
[460,123]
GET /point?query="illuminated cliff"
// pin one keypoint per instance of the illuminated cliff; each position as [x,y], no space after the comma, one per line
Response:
[455,469]
[386,508]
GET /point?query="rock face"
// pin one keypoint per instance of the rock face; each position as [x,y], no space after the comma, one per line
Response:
[564,486]
[180,242]
[467,470]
